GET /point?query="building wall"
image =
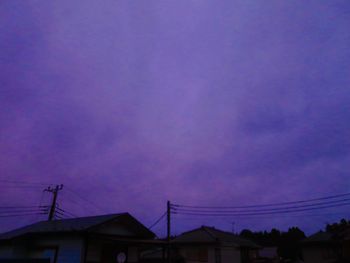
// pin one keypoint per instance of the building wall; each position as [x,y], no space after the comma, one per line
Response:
[95,251]
[230,255]
[197,254]
[211,254]
[214,254]
[69,250]
[133,255]
[5,251]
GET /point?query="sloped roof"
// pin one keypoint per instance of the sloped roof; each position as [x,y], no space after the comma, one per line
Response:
[207,234]
[318,237]
[328,236]
[80,224]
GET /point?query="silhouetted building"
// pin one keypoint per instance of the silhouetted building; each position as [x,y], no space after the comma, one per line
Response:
[211,245]
[107,238]
[330,247]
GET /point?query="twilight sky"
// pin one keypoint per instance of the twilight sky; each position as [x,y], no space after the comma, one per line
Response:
[132,103]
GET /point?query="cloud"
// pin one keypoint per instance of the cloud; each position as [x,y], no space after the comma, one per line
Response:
[189,101]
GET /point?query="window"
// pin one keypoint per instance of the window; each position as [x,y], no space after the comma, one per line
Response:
[50,253]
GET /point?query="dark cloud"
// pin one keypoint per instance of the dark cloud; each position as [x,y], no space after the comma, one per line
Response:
[196,102]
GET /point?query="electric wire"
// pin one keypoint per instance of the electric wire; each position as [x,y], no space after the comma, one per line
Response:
[264,210]
[260,213]
[22,182]
[23,211]
[158,220]
[263,205]
[66,212]
[59,217]
[189,217]
[22,214]
[59,213]
[28,209]
[40,203]
[84,199]
[18,207]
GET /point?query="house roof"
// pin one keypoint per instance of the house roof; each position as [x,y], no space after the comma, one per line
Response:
[328,237]
[318,237]
[207,234]
[80,224]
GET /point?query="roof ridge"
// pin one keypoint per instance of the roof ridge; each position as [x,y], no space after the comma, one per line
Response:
[80,217]
[189,231]
[207,230]
[223,231]
[82,222]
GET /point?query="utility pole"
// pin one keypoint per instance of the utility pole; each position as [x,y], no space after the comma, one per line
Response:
[54,191]
[168,211]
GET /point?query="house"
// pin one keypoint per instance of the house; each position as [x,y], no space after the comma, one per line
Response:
[211,245]
[327,247]
[105,238]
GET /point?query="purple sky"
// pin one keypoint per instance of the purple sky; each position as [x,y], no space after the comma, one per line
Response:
[132,103]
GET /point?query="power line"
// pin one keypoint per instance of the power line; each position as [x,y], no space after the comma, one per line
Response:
[262,210]
[54,192]
[22,214]
[59,218]
[66,212]
[209,213]
[264,205]
[24,186]
[84,199]
[9,210]
[72,200]
[17,207]
[61,214]
[23,211]
[158,220]
[40,202]
[20,210]
[189,217]
[84,206]
[22,182]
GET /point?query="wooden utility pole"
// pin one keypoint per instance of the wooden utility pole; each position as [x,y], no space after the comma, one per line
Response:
[54,191]
[168,220]
[168,211]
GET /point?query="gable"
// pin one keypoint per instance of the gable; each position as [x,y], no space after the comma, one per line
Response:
[212,235]
[195,236]
[116,228]
[123,226]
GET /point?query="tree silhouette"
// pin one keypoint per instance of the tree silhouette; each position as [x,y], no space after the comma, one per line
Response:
[287,243]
